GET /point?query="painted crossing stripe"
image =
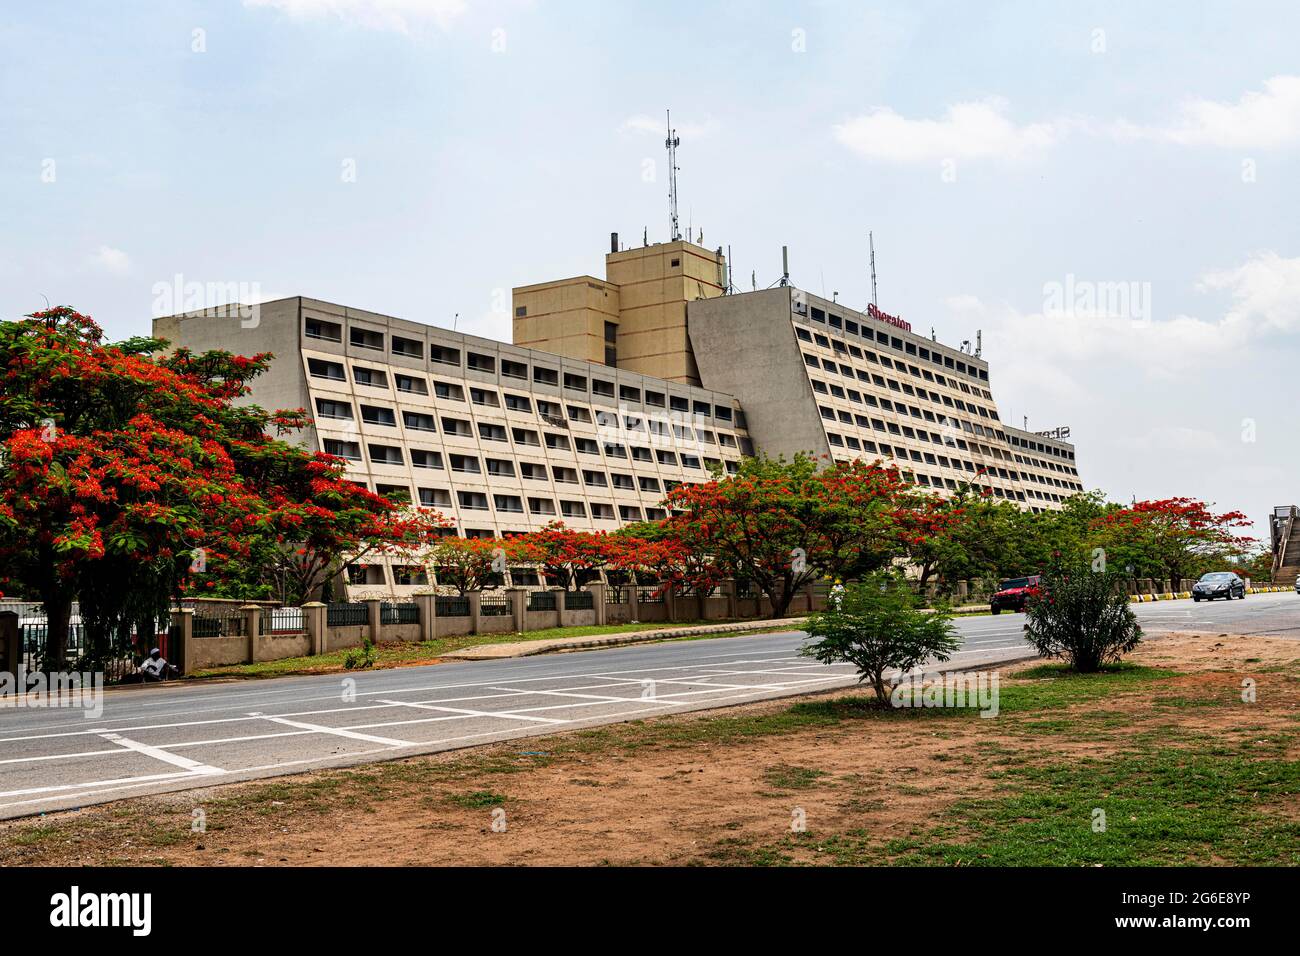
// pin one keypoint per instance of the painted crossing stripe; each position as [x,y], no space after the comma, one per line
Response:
[193,766]
[339,732]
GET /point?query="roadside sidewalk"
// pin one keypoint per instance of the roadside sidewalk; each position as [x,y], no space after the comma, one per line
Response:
[487,652]
[1187,595]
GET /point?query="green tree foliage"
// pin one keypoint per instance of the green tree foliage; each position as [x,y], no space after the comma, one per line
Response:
[1082,615]
[875,626]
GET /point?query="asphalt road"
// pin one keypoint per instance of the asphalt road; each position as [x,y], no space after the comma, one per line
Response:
[175,737]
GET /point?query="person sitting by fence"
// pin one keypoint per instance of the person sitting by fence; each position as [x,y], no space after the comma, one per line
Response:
[156,668]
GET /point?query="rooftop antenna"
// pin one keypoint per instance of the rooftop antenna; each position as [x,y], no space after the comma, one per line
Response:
[785,265]
[672,142]
[871,242]
[454,319]
[731,271]
[979,342]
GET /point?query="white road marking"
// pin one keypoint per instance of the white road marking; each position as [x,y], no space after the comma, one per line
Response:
[471,713]
[185,763]
[340,732]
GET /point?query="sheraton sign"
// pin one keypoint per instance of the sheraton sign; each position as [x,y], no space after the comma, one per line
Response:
[886,317]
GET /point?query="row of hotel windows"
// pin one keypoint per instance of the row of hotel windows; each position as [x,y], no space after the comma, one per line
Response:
[505,468]
[951,485]
[893,341]
[1040,447]
[940,461]
[508,504]
[871,378]
[549,412]
[831,414]
[478,362]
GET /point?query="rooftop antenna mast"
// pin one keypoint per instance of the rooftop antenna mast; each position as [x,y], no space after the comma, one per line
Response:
[871,242]
[672,142]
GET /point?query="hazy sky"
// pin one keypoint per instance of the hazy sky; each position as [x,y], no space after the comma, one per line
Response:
[1108,190]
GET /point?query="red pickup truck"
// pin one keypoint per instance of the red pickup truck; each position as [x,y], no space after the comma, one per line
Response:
[1013,593]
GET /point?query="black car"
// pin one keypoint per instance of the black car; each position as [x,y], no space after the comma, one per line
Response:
[1219,584]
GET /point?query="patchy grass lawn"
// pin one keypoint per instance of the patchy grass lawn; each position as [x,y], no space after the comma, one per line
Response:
[1157,762]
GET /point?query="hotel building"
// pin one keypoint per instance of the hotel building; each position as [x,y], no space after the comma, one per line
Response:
[615,390]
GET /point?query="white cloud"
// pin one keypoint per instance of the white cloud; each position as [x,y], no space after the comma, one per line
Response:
[397,15]
[111,260]
[975,130]
[1258,120]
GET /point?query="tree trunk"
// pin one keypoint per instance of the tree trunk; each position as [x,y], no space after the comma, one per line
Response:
[58,612]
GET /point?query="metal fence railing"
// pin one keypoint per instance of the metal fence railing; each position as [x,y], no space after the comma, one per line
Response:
[282,620]
[579,601]
[220,622]
[494,605]
[450,605]
[649,596]
[615,594]
[399,613]
[541,601]
[346,615]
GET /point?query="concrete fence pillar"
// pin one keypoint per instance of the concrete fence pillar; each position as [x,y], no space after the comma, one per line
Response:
[11,641]
[252,627]
[374,617]
[630,598]
[182,646]
[670,603]
[518,598]
[561,607]
[810,590]
[475,609]
[314,621]
[728,589]
[597,590]
[428,605]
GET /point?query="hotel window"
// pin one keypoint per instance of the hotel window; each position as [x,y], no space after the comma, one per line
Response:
[398,494]
[602,512]
[319,368]
[420,458]
[540,506]
[328,331]
[557,442]
[418,421]
[444,355]
[611,344]
[649,484]
[480,396]
[666,457]
[629,394]
[586,446]
[655,514]
[518,403]
[655,399]
[514,369]
[466,464]
[601,387]
[343,449]
[565,476]
[500,467]
[377,416]
[448,391]
[572,509]
[435,497]
[509,503]
[595,479]
[678,404]
[480,363]
[614,450]
[641,454]
[545,376]
[690,461]
[369,376]
[722,413]
[407,348]
[532,471]
[490,432]
[456,426]
[367,339]
[327,409]
[577,383]
[408,383]
[472,500]
[385,455]
[629,513]
[525,436]
[619,480]
[578,414]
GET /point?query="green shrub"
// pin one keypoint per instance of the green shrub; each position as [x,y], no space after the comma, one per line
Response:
[1083,616]
[875,626]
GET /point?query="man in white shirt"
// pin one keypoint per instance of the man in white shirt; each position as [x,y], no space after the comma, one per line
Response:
[155,667]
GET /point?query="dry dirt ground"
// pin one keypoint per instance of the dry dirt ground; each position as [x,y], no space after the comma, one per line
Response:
[726,786]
